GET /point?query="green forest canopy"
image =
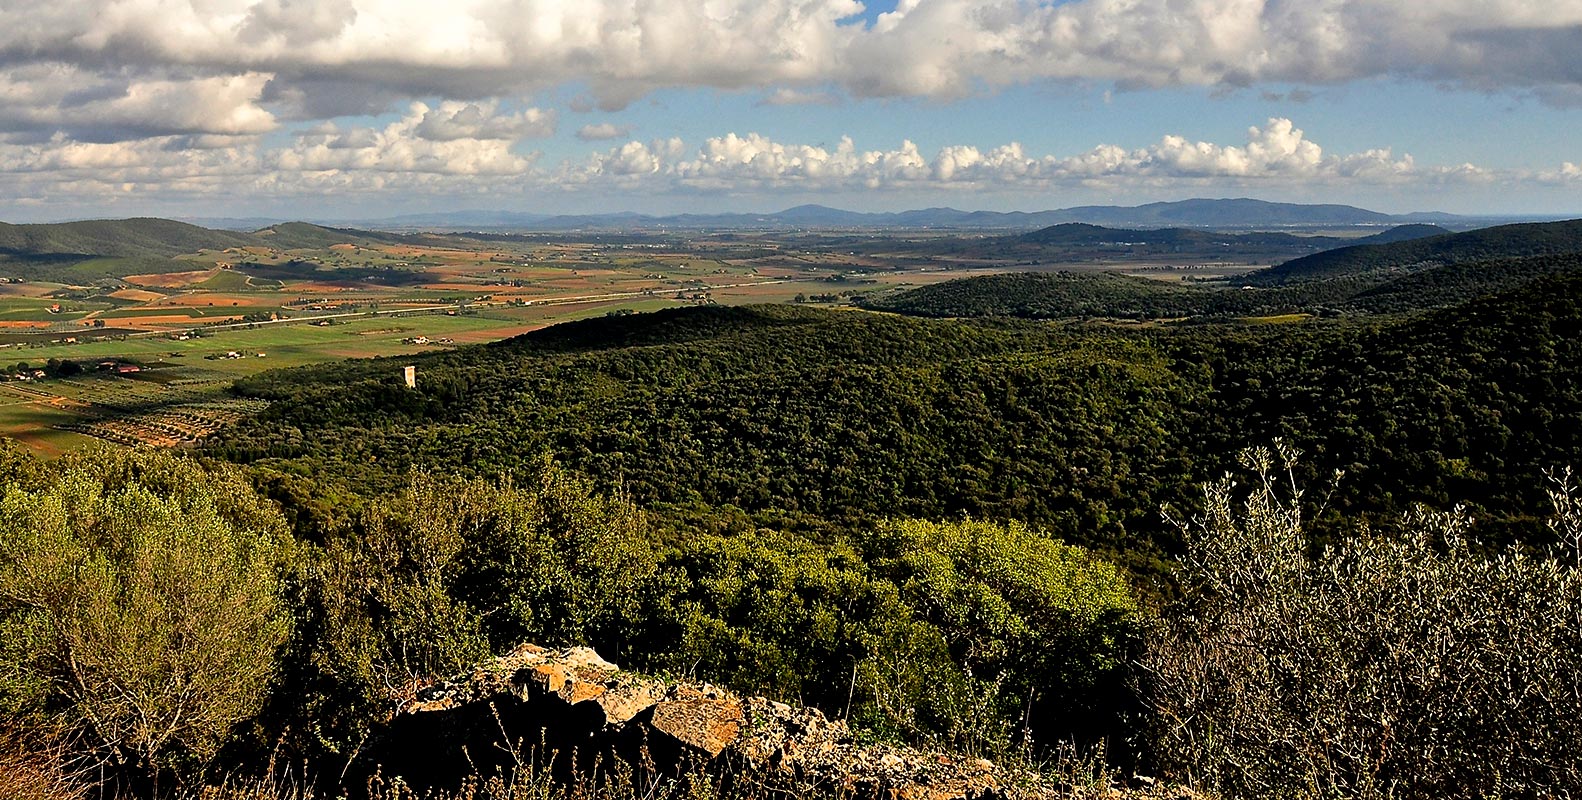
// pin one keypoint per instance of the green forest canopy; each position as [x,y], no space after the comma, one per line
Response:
[1085,431]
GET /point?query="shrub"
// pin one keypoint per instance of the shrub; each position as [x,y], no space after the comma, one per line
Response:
[962,635]
[1404,665]
[139,603]
[1024,634]
[774,612]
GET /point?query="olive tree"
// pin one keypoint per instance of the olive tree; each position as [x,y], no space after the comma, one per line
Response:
[1407,663]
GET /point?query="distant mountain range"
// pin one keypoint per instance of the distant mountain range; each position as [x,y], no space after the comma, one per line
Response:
[1241,213]
[1081,234]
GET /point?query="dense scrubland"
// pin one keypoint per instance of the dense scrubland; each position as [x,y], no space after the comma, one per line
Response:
[989,535]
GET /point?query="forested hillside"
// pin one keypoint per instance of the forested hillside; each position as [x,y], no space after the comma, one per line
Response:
[294,235]
[1470,403]
[1403,233]
[767,408]
[842,417]
[151,237]
[1458,283]
[119,238]
[1056,295]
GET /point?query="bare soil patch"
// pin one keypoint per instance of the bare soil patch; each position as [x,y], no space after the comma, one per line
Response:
[172,279]
[136,295]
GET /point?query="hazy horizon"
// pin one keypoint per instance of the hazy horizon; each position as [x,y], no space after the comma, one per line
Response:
[218,217]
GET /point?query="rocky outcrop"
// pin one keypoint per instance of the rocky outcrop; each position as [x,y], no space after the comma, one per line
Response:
[573,676]
[559,701]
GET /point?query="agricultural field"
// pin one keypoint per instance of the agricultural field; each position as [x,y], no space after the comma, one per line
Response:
[180,389]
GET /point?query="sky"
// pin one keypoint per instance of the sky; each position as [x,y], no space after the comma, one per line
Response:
[360,109]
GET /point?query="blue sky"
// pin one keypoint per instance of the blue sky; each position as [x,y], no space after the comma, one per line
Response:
[357,108]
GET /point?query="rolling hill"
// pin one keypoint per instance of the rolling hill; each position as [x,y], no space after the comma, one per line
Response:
[1403,233]
[1075,295]
[1461,282]
[82,252]
[1504,241]
[306,235]
[1048,295]
[121,238]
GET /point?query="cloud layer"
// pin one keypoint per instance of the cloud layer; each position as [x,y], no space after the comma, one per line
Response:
[233,66]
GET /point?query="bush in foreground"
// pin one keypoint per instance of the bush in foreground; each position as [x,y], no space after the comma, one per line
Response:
[140,606]
[437,577]
[1409,665]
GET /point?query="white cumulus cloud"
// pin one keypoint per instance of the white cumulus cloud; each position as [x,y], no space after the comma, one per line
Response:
[55,97]
[450,140]
[453,149]
[454,120]
[1276,151]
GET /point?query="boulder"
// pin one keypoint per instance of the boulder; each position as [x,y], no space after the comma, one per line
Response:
[577,708]
[706,723]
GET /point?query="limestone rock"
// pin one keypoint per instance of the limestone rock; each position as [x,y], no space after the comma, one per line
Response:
[572,698]
[709,725]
